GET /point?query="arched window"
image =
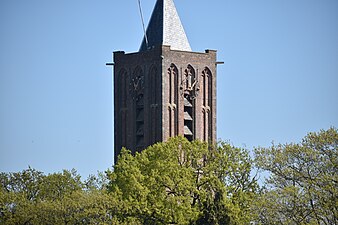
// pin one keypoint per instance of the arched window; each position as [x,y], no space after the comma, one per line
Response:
[137,88]
[189,88]
[172,93]
[153,117]
[123,79]
[207,102]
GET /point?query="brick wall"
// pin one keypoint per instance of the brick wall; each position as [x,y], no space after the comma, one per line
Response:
[149,96]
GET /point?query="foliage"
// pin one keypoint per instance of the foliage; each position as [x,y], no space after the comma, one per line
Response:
[302,187]
[30,197]
[182,182]
[177,182]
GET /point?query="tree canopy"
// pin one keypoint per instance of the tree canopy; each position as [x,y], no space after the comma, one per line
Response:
[182,182]
[30,197]
[303,181]
[177,182]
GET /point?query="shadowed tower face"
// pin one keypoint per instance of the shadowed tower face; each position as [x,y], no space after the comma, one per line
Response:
[165,89]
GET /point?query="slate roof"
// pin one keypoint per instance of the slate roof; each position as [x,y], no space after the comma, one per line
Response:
[165,28]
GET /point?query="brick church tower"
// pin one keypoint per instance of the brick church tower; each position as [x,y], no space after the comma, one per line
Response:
[165,89]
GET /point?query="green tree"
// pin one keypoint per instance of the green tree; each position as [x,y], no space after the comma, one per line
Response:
[182,182]
[177,182]
[18,192]
[302,187]
[30,197]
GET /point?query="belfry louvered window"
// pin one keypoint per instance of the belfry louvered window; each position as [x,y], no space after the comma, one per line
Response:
[188,85]
[137,84]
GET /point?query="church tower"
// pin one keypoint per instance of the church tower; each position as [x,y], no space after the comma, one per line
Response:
[165,89]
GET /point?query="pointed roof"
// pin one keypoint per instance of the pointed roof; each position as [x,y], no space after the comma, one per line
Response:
[165,28]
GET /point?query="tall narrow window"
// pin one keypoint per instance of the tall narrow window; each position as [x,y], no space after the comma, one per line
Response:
[123,88]
[172,82]
[137,88]
[153,105]
[207,102]
[189,87]
[205,128]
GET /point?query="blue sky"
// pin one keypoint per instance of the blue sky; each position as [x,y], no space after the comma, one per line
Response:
[279,80]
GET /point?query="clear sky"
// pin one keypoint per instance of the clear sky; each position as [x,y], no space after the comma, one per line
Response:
[279,80]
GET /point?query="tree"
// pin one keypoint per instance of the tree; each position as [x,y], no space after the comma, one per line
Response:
[177,182]
[182,182]
[30,197]
[18,191]
[302,187]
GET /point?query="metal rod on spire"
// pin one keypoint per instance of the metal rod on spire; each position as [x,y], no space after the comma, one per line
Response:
[144,29]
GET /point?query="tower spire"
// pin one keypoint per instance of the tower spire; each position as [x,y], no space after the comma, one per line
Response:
[165,28]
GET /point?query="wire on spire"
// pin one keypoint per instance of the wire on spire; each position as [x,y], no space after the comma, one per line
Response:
[142,20]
